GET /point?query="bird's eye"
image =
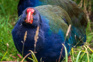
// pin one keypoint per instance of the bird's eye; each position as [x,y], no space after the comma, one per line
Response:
[26,12]
[34,13]
[24,18]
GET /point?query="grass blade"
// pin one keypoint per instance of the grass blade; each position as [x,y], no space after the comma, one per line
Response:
[4,56]
[78,56]
[66,54]
[33,56]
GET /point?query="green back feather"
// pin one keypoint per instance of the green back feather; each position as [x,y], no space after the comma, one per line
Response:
[55,15]
[75,13]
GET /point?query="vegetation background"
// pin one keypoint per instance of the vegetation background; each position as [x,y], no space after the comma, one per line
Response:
[8,18]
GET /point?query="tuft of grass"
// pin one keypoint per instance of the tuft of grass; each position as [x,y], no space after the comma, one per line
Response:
[8,7]
[34,59]
[33,56]
[6,51]
[8,17]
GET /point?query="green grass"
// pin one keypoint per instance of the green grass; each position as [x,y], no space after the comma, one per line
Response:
[8,17]
[8,7]
[6,38]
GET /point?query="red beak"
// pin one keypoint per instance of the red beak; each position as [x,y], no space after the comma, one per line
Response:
[29,17]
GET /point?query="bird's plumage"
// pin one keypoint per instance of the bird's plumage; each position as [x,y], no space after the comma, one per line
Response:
[53,22]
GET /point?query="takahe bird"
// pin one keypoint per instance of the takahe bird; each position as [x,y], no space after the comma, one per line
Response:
[43,29]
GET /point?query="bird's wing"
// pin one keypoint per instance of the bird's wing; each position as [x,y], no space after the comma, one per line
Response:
[58,17]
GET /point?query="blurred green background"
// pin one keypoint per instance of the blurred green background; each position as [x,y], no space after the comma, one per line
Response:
[8,18]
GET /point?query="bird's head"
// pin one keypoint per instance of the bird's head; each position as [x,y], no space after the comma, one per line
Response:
[31,16]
